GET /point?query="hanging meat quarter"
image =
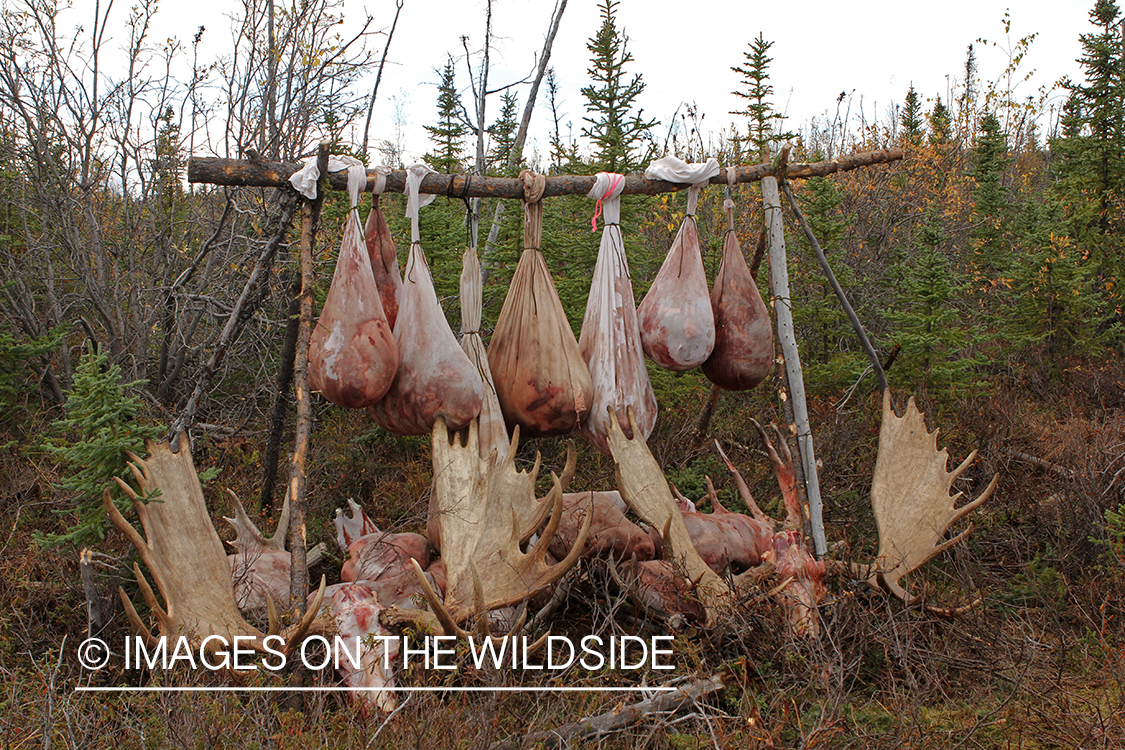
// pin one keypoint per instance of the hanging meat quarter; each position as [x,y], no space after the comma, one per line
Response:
[352,353]
[435,378]
[611,338]
[541,380]
[677,325]
[381,251]
[743,354]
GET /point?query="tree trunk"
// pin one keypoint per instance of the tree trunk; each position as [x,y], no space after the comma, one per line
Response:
[281,400]
[521,137]
[379,76]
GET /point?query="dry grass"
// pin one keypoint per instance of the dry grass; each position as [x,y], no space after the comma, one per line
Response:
[1038,664]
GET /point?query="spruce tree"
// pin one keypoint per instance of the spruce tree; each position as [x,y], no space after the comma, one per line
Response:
[941,124]
[969,95]
[1050,307]
[167,169]
[1072,169]
[441,224]
[1103,93]
[911,118]
[448,135]
[990,204]
[757,91]
[503,133]
[617,132]
[829,352]
[100,423]
[936,336]
[1093,122]
[19,359]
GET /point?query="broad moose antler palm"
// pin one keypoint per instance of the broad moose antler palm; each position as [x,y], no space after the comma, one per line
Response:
[910,497]
[641,483]
[486,508]
[184,556]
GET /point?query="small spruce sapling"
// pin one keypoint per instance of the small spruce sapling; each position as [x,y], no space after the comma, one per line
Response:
[101,422]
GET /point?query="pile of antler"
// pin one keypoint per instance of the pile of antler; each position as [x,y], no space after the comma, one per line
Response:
[485,518]
[910,495]
[698,564]
[687,533]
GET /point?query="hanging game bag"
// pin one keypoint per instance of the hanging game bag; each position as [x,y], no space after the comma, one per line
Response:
[381,251]
[611,339]
[493,433]
[352,352]
[541,380]
[743,354]
[435,378]
[677,325]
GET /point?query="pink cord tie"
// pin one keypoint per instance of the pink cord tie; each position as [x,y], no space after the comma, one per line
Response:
[614,181]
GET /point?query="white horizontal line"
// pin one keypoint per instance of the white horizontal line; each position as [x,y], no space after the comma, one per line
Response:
[230,689]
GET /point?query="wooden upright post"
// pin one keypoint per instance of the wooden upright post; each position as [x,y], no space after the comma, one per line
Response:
[783,308]
[310,220]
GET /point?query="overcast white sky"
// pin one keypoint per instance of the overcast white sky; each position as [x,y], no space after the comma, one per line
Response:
[684,50]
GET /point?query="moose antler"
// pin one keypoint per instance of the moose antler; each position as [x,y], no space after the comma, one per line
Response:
[485,506]
[910,497]
[529,516]
[247,538]
[802,587]
[643,486]
[184,555]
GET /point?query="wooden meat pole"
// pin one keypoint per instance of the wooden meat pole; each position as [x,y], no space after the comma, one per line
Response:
[310,220]
[793,394]
[263,173]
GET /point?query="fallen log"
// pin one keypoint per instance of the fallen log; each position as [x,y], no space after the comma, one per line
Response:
[263,173]
[1062,471]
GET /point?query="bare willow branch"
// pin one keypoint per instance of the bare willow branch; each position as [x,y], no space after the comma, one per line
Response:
[243,310]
